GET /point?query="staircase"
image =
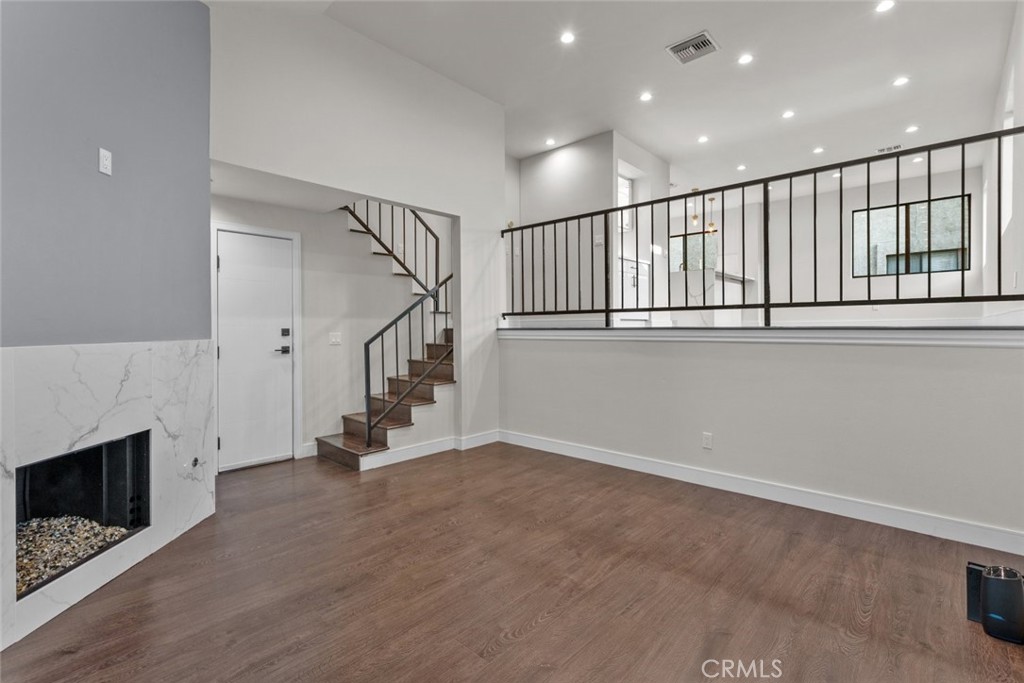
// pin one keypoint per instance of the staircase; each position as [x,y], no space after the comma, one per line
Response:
[406,359]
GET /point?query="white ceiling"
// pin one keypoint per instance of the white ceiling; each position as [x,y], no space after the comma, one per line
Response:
[831,62]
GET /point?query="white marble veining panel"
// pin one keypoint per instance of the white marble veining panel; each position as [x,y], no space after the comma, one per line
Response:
[54,400]
[183,406]
[71,397]
[8,579]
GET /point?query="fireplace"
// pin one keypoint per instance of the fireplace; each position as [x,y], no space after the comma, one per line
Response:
[74,506]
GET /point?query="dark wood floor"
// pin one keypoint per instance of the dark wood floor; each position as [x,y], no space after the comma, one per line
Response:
[507,564]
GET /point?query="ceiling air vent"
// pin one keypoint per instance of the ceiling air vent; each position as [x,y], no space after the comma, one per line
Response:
[693,47]
[886,150]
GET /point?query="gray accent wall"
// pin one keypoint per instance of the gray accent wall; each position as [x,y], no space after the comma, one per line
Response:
[88,258]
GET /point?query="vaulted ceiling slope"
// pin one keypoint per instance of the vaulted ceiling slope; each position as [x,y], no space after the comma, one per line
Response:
[832,63]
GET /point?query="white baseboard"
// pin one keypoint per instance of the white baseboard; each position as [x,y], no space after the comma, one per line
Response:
[395,455]
[473,440]
[255,462]
[963,531]
[419,450]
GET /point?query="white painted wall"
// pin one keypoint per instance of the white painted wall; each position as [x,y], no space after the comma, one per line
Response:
[650,181]
[572,179]
[653,181]
[299,95]
[1006,112]
[933,430]
[511,190]
[344,291]
[400,231]
[578,178]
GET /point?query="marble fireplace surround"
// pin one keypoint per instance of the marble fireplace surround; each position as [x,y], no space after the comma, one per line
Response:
[57,399]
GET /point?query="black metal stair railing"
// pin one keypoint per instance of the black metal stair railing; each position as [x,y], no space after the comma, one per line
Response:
[917,226]
[404,235]
[405,339]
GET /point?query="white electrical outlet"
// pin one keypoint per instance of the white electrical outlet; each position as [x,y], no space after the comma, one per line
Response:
[707,441]
[106,162]
[334,338]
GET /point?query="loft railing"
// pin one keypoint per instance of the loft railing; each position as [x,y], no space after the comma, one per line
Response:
[404,235]
[929,225]
[411,337]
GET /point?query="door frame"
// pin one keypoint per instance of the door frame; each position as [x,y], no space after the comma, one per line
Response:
[217,226]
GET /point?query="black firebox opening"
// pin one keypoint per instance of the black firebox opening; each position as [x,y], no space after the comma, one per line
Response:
[107,484]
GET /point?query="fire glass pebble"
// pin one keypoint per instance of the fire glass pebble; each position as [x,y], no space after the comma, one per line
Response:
[49,545]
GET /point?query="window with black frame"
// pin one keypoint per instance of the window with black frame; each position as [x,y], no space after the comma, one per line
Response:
[943,248]
[693,251]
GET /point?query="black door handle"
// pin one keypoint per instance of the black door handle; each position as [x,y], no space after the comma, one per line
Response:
[284,349]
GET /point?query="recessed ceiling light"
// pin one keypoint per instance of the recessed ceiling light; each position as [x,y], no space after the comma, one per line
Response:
[568,37]
[912,129]
[788,114]
[837,174]
[901,80]
[885,6]
[645,97]
[549,142]
[918,160]
[819,150]
[769,187]
[745,58]
[741,167]
[702,139]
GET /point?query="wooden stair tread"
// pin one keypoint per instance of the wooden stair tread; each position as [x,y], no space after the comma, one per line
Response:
[389,422]
[414,388]
[409,400]
[427,380]
[351,443]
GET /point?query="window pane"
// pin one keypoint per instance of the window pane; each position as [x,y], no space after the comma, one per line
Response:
[698,257]
[687,249]
[625,191]
[945,225]
[886,254]
[625,198]
[675,253]
[883,240]
[945,260]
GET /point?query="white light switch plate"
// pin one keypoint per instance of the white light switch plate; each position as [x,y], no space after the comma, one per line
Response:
[334,338]
[106,162]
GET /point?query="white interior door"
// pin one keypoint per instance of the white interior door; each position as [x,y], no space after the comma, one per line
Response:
[255,329]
